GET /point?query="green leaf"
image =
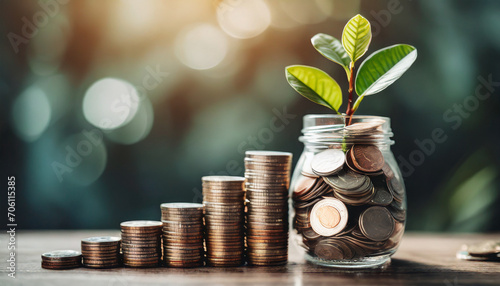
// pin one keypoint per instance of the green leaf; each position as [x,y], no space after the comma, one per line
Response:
[383,67]
[315,85]
[332,49]
[356,37]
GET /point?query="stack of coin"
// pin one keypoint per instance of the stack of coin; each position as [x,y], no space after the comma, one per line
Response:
[268,179]
[182,234]
[141,243]
[101,252]
[360,129]
[61,259]
[223,200]
[351,187]
[488,250]
[349,205]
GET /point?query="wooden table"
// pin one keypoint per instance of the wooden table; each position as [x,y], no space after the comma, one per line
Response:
[427,259]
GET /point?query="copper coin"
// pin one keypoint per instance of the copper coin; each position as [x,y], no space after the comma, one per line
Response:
[328,217]
[367,158]
[62,255]
[304,185]
[328,251]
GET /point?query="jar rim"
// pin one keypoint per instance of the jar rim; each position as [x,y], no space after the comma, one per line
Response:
[312,116]
[320,130]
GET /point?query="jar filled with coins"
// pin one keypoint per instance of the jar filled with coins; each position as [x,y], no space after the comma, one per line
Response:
[348,205]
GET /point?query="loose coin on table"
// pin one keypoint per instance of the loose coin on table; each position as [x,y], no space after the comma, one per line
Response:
[488,250]
[101,252]
[61,259]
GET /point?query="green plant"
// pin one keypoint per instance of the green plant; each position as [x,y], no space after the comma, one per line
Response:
[376,72]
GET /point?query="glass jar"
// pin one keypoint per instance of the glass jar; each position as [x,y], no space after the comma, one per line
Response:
[348,202]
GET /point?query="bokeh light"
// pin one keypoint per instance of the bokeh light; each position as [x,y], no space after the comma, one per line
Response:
[132,19]
[243,19]
[138,128]
[58,89]
[110,103]
[201,47]
[31,113]
[304,12]
[82,157]
[222,128]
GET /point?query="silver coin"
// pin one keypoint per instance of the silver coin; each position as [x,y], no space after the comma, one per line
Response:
[102,239]
[348,181]
[328,162]
[376,223]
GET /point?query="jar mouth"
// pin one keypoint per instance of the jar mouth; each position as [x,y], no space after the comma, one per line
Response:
[327,129]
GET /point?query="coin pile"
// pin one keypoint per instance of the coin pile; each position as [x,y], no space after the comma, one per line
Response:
[488,250]
[268,179]
[349,205]
[141,243]
[61,259]
[182,234]
[101,252]
[223,200]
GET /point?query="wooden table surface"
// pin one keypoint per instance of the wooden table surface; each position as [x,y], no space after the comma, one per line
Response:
[422,259]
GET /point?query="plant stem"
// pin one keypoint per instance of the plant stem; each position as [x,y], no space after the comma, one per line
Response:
[349,110]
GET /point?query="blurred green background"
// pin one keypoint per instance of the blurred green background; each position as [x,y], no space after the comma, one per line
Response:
[192,84]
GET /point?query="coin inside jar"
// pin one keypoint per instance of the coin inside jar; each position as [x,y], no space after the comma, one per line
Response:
[367,158]
[376,223]
[304,185]
[328,162]
[328,217]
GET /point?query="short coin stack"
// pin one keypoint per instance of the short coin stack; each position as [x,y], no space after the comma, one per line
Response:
[61,259]
[223,199]
[141,241]
[182,234]
[268,179]
[101,252]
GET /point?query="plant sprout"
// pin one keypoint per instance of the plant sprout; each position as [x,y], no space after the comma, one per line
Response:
[376,72]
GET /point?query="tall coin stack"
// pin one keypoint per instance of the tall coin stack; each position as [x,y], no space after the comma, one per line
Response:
[268,178]
[182,234]
[101,252]
[141,241]
[223,199]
